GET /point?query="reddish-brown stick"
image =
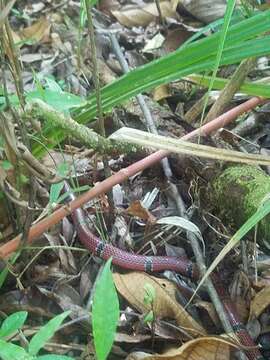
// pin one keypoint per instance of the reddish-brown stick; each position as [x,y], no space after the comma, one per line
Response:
[39,228]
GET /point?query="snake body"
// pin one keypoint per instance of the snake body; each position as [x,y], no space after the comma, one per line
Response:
[183,266]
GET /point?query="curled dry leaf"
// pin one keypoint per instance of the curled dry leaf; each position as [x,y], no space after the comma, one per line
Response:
[205,10]
[37,32]
[207,348]
[161,92]
[137,209]
[130,16]
[260,302]
[210,310]
[131,287]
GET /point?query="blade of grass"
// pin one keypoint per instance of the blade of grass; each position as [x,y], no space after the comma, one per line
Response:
[249,88]
[223,34]
[244,229]
[195,57]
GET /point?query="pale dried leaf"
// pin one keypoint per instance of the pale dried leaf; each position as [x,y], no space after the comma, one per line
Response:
[132,15]
[131,287]
[260,302]
[210,309]
[37,32]
[207,348]
[145,139]
[205,10]
[161,92]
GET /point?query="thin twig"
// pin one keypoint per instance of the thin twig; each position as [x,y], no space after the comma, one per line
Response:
[150,124]
[231,87]
[91,32]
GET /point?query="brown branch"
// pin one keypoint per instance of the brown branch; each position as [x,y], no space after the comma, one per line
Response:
[104,186]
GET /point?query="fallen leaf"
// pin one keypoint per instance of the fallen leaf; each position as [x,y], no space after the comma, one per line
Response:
[38,32]
[206,348]
[137,209]
[132,15]
[205,10]
[260,302]
[165,305]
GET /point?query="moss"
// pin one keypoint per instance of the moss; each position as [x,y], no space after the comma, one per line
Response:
[238,192]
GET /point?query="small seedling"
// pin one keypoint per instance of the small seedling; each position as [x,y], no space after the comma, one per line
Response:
[14,323]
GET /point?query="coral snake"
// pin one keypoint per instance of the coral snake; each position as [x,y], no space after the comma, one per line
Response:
[183,266]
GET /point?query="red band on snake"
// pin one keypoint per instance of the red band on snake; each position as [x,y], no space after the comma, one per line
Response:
[130,261]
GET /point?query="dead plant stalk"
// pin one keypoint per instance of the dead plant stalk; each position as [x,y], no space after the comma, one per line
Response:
[106,185]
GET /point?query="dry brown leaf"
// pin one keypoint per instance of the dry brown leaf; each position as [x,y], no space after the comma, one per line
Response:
[205,10]
[132,15]
[210,309]
[37,32]
[136,209]
[207,348]
[161,92]
[131,287]
[260,302]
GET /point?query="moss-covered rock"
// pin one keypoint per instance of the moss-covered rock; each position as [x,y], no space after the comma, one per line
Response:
[238,192]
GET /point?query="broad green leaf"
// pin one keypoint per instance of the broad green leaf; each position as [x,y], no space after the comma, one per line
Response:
[105,313]
[9,351]
[13,323]
[45,333]
[263,211]
[54,357]
[61,101]
[241,42]
[52,85]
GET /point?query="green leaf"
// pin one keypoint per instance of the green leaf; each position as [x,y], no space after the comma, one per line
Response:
[91,2]
[249,88]
[54,357]
[10,351]
[3,275]
[45,333]
[52,85]
[5,271]
[55,192]
[241,42]
[6,165]
[150,294]
[149,317]
[62,169]
[13,323]
[61,101]
[105,313]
